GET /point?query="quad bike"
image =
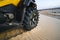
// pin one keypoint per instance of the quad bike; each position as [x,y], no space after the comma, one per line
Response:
[14,13]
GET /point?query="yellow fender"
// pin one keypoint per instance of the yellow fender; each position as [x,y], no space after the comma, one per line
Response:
[7,2]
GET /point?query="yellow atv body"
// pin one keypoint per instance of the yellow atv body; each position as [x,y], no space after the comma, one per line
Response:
[7,2]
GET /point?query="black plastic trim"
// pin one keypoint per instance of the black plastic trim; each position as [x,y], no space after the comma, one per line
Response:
[8,8]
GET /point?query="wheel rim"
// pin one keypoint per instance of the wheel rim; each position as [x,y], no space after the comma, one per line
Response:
[33,19]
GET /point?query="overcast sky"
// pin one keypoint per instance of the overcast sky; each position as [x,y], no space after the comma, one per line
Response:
[43,4]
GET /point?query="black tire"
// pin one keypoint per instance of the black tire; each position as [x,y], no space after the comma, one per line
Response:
[30,18]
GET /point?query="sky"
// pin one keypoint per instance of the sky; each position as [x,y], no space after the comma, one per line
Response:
[44,4]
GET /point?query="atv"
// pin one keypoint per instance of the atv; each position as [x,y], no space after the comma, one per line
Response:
[15,13]
[16,17]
